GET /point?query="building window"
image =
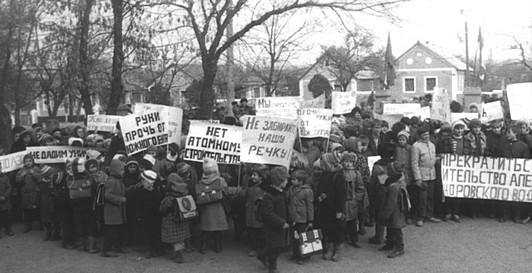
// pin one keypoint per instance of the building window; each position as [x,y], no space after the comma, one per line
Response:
[365,85]
[409,84]
[460,86]
[256,92]
[430,83]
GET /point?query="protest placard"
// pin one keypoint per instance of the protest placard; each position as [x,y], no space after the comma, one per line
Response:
[142,130]
[425,113]
[466,117]
[507,179]
[175,119]
[205,120]
[405,109]
[491,111]
[314,122]
[343,102]
[217,141]
[318,102]
[284,107]
[55,154]
[519,98]
[268,140]
[371,161]
[390,119]
[441,108]
[102,123]
[12,162]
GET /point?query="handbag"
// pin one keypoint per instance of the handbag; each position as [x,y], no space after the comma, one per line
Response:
[310,242]
[79,188]
[185,208]
[206,194]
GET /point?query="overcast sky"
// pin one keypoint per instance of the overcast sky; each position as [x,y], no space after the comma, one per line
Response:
[440,22]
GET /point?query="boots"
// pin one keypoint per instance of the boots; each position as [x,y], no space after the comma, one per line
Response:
[328,254]
[337,256]
[92,245]
[179,257]
[217,242]
[397,251]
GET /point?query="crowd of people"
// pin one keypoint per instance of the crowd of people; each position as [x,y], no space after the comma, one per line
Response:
[131,200]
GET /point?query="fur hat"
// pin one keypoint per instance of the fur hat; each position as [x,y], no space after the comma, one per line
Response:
[395,169]
[182,168]
[76,142]
[149,176]
[210,166]
[403,133]
[176,184]
[459,122]
[278,175]
[475,123]
[116,167]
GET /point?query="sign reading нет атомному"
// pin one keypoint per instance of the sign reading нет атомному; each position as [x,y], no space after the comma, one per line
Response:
[217,141]
[477,177]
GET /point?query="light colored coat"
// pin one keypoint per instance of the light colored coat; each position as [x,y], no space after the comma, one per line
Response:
[423,157]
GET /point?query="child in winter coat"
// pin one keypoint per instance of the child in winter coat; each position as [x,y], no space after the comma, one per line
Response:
[273,211]
[253,195]
[148,216]
[392,210]
[300,202]
[27,180]
[402,155]
[114,210]
[81,191]
[355,193]
[132,179]
[5,203]
[475,143]
[51,176]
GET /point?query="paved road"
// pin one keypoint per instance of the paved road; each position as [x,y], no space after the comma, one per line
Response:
[481,245]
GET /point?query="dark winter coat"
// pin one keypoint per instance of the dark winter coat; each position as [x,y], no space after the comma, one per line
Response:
[493,146]
[514,149]
[254,195]
[300,204]
[172,231]
[331,189]
[354,196]
[117,144]
[114,208]
[29,188]
[5,191]
[390,213]
[471,142]
[274,216]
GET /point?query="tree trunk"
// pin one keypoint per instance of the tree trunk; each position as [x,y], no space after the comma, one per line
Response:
[210,67]
[84,58]
[118,59]
[6,139]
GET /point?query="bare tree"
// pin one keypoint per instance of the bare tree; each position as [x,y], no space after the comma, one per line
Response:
[525,52]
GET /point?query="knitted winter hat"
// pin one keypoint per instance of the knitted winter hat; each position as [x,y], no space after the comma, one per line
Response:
[210,166]
[47,171]
[336,146]
[149,176]
[76,142]
[132,160]
[458,123]
[147,161]
[278,175]
[120,155]
[176,184]
[403,133]
[395,169]
[182,168]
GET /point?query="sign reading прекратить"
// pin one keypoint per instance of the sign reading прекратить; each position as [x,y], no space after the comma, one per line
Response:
[478,177]
[142,130]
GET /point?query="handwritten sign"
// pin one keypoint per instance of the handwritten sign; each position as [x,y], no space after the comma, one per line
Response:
[441,108]
[12,162]
[55,154]
[217,141]
[284,107]
[314,122]
[519,98]
[268,140]
[343,102]
[102,123]
[318,102]
[175,118]
[139,131]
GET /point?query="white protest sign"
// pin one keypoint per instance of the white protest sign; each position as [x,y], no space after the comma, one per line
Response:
[507,179]
[405,109]
[175,119]
[519,98]
[102,123]
[463,116]
[268,140]
[314,122]
[318,102]
[491,111]
[55,154]
[142,130]
[217,141]
[343,102]
[12,162]
[390,119]
[205,120]
[285,107]
[441,106]
[425,113]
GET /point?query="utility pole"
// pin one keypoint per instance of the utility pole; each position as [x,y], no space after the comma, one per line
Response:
[466,56]
[230,68]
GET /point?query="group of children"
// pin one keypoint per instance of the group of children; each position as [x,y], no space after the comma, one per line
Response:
[155,197]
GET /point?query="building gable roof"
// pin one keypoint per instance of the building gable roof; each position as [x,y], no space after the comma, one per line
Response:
[445,57]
